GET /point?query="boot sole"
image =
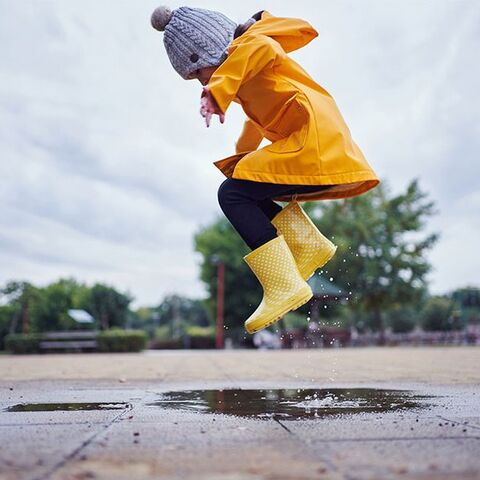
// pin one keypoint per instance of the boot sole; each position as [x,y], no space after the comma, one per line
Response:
[313,266]
[296,302]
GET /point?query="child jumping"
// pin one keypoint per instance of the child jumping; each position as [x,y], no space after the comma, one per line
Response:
[311,155]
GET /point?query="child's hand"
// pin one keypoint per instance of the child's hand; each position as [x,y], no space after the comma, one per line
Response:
[208,107]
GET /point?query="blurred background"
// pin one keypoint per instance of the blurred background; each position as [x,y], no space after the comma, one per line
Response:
[108,190]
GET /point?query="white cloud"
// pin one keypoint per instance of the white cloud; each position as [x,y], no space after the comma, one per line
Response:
[106,165]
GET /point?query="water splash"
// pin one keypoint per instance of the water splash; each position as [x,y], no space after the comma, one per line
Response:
[291,404]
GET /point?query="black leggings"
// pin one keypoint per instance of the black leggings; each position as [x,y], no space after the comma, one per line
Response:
[249,207]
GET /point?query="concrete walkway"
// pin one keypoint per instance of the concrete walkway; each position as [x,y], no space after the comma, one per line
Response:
[417,364]
[144,441]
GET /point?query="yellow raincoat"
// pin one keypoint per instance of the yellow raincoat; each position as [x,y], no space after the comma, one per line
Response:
[310,142]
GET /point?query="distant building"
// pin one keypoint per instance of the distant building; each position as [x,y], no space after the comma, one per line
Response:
[81,317]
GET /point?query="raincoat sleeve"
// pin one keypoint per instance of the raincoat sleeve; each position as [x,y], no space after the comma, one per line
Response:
[249,139]
[244,61]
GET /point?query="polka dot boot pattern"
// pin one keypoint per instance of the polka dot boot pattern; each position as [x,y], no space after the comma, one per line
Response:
[284,289]
[309,247]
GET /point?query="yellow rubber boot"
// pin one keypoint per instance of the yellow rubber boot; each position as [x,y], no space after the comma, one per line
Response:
[284,289]
[309,247]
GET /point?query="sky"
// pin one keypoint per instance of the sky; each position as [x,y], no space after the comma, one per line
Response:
[106,167]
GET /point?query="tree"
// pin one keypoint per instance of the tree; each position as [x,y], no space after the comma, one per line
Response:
[109,307]
[144,318]
[46,309]
[178,312]
[242,290]
[380,258]
[7,312]
[467,301]
[402,319]
[438,314]
[381,249]
[20,298]
[54,301]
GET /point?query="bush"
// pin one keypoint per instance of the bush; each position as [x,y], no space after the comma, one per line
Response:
[117,340]
[437,314]
[402,319]
[162,333]
[196,331]
[164,341]
[201,337]
[21,343]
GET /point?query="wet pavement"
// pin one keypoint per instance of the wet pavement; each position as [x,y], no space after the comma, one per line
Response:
[290,403]
[77,429]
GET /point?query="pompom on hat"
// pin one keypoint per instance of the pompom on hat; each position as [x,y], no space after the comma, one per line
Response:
[193,37]
[160,17]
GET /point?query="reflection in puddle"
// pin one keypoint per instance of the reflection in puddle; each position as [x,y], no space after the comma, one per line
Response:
[291,404]
[51,407]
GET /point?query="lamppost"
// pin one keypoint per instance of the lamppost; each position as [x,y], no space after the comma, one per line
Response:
[217,261]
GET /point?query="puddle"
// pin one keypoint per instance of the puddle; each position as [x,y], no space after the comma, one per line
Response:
[291,404]
[70,407]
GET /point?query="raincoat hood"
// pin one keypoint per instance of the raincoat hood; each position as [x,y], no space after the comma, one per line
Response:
[290,33]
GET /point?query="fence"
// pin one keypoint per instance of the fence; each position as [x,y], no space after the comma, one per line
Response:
[336,337]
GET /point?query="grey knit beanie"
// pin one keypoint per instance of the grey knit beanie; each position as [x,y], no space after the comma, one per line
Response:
[194,38]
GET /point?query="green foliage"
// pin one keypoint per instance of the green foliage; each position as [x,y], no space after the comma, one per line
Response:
[117,340]
[467,304]
[21,298]
[162,333]
[22,343]
[242,291]
[179,312]
[53,302]
[25,308]
[196,331]
[343,319]
[294,321]
[31,309]
[467,297]
[200,337]
[144,318]
[7,312]
[108,306]
[437,314]
[402,319]
[193,336]
[163,339]
[381,255]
